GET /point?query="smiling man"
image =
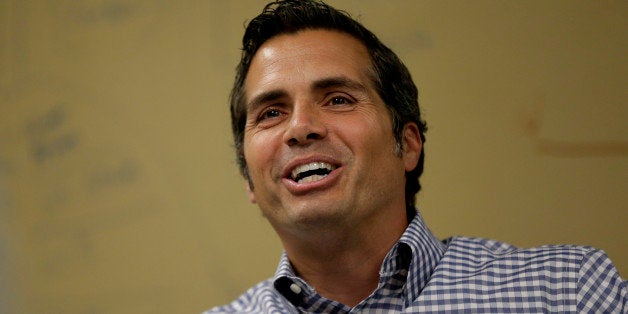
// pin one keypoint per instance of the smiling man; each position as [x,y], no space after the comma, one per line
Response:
[322,160]
[329,138]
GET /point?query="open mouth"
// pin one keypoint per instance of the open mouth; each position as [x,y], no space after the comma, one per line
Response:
[311,172]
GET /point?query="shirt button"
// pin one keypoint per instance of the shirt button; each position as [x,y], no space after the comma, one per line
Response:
[295,288]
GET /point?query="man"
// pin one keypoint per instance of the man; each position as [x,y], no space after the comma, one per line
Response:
[329,138]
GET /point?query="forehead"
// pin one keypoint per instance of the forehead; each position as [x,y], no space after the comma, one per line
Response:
[291,60]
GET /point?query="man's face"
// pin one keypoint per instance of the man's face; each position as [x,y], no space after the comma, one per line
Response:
[318,140]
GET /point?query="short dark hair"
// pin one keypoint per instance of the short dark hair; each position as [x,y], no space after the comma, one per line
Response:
[391,77]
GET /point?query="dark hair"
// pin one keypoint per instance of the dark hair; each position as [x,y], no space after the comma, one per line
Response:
[391,77]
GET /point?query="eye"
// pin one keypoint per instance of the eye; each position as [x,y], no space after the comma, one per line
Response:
[269,114]
[339,100]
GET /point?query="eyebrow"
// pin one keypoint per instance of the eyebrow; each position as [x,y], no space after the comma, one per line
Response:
[322,84]
[339,81]
[268,96]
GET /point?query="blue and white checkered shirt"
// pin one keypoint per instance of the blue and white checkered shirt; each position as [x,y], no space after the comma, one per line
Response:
[421,274]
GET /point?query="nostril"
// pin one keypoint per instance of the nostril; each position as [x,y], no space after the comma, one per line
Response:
[301,141]
[313,136]
[304,129]
[293,141]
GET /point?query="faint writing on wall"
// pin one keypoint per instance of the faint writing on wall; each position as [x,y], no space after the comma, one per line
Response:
[47,137]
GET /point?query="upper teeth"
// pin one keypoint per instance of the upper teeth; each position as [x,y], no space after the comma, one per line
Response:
[311,166]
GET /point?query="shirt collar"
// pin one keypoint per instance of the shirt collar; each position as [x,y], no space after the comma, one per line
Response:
[418,252]
[426,252]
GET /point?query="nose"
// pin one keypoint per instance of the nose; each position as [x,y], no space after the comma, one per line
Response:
[305,126]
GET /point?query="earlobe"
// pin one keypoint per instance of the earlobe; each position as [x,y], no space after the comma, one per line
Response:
[250,193]
[411,146]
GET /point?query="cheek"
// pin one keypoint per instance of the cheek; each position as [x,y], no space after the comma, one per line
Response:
[259,152]
[250,155]
[372,134]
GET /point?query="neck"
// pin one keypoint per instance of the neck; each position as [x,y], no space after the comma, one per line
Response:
[342,262]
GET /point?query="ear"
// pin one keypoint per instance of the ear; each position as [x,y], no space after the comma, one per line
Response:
[250,193]
[411,146]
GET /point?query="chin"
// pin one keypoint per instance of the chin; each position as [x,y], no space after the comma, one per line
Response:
[317,218]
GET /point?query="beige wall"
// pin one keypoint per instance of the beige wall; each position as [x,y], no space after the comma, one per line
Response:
[118,191]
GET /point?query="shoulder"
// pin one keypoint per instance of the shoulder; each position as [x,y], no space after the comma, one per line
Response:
[600,288]
[479,249]
[261,298]
[582,276]
[566,261]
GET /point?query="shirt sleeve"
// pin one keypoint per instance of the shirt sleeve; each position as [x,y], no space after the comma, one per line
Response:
[600,288]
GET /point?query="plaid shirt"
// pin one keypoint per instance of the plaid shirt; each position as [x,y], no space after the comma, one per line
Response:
[421,274]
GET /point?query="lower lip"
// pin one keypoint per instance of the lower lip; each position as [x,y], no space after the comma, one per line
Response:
[303,188]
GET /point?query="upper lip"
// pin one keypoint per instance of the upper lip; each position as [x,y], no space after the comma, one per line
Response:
[303,161]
